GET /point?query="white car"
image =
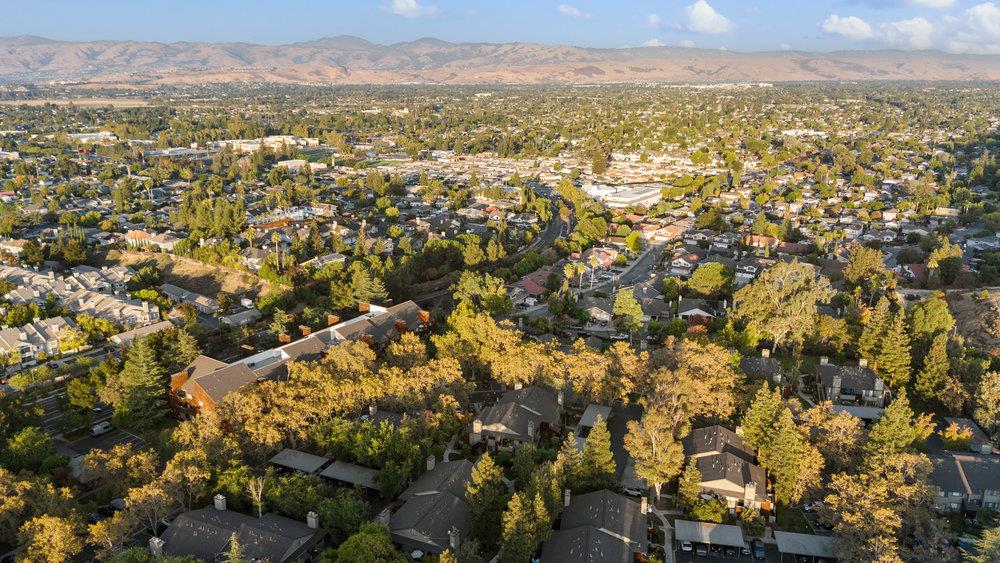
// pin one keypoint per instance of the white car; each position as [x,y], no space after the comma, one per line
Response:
[686,546]
[100,428]
[810,506]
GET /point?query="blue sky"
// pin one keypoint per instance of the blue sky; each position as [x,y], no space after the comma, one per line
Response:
[745,25]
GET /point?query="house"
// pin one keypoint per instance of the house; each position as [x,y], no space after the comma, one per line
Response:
[966,482]
[144,239]
[321,262]
[204,305]
[125,339]
[699,311]
[434,516]
[849,385]
[206,534]
[520,416]
[763,367]
[682,264]
[599,527]
[204,383]
[14,247]
[34,341]
[600,313]
[727,468]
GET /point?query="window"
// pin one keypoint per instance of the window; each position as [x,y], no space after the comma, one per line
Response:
[954,494]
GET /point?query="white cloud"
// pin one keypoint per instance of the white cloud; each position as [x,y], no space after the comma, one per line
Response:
[412,9]
[851,27]
[914,33]
[785,47]
[687,44]
[702,18]
[984,18]
[933,3]
[573,12]
[654,21]
[654,42]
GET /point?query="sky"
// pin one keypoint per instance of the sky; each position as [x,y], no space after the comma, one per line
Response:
[959,26]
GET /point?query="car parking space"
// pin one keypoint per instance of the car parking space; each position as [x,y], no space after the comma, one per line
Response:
[105,441]
[771,555]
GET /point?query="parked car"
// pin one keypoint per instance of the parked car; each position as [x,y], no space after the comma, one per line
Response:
[758,550]
[101,428]
[730,551]
[715,548]
[701,549]
[686,546]
[745,550]
[810,506]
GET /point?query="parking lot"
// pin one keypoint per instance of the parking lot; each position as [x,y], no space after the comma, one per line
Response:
[770,551]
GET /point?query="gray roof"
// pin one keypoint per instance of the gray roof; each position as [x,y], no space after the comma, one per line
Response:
[352,474]
[705,532]
[857,378]
[206,532]
[447,476]
[805,544]
[585,544]
[716,439]
[222,382]
[608,512]
[298,461]
[965,473]
[516,408]
[734,469]
[765,368]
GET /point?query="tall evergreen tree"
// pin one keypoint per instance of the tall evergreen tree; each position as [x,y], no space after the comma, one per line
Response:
[689,485]
[140,388]
[934,375]
[874,331]
[519,537]
[896,432]
[487,496]
[758,422]
[792,461]
[569,462]
[597,463]
[893,363]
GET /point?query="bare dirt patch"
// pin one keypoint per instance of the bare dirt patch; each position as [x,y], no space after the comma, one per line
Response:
[191,274]
[977,319]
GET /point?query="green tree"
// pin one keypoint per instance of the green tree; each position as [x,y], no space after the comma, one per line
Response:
[653,444]
[934,375]
[689,485]
[893,361]
[988,547]
[139,391]
[929,318]
[759,420]
[487,497]
[782,302]
[371,543]
[597,463]
[866,269]
[342,514]
[628,310]
[874,331]
[711,280]
[790,459]
[897,431]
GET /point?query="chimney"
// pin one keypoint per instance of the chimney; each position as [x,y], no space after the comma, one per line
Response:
[431,460]
[750,491]
[644,503]
[372,409]
[384,516]
[220,502]
[518,386]
[425,317]
[765,353]
[835,388]
[531,429]
[566,497]
[560,398]
[306,331]
[312,520]
[863,362]
[364,307]
[156,546]
[284,338]
[823,360]
[454,538]
[332,320]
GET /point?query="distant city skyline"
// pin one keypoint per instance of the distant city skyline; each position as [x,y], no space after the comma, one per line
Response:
[956,26]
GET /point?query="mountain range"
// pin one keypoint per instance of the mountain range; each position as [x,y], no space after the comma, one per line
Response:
[353,60]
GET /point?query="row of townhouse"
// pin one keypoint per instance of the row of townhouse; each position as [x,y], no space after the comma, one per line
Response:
[34,341]
[97,292]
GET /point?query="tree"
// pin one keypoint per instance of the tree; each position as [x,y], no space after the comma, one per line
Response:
[342,514]
[652,443]
[525,523]
[792,462]
[120,468]
[139,392]
[987,411]
[370,543]
[782,302]
[897,431]
[568,464]
[874,331]
[256,488]
[837,436]
[597,464]
[235,552]
[27,449]
[711,280]
[109,535]
[634,241]
[988,547]
[893,361]
[487,497]
[956,437]
[628,310]
[761,416]
[186,477]
[484,292]
[933,377]
[689,485]
[71,339]
[148,504]
[50,539]
[929,318]
[866,269]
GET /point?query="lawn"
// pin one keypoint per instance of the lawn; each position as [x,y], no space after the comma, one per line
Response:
[792,519]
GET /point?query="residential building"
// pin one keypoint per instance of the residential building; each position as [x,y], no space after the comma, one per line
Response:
[599,527]
[727,468]
[34,341]
[966,482]
[204,305]
[435,515]
[520,416]
[849,385]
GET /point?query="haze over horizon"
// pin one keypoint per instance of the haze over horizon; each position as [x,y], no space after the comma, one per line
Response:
[954,26]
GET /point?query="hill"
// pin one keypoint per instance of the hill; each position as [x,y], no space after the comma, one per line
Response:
[353,60]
